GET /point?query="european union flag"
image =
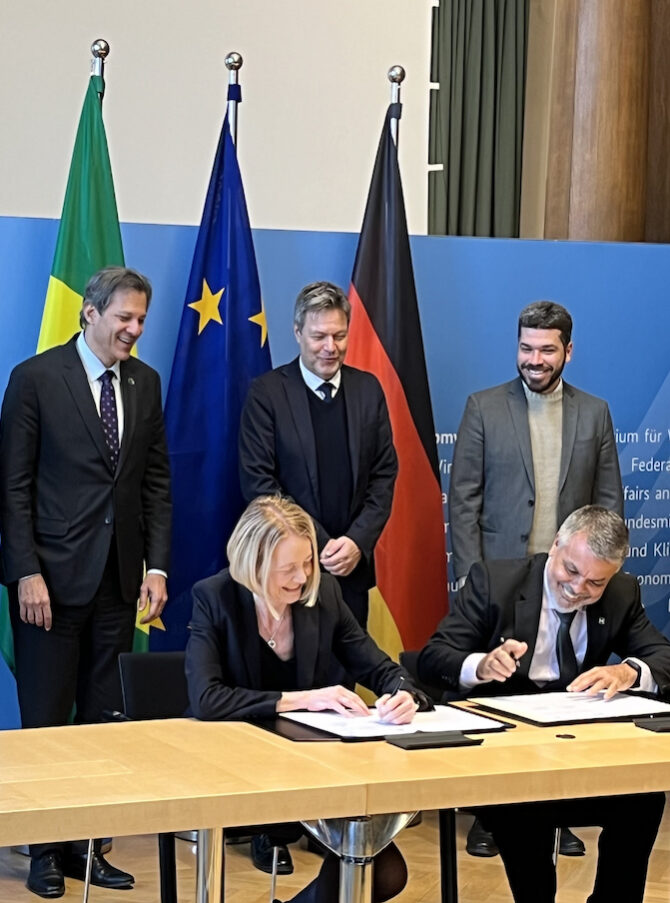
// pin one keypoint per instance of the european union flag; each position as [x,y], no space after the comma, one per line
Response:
[222,346]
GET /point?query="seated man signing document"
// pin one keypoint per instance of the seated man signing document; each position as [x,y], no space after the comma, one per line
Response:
[546,623]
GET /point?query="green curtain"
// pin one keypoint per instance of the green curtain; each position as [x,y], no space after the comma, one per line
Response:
[476,116]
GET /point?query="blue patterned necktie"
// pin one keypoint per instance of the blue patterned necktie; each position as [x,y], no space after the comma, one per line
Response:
[565,651]
[326,391]
[108,417]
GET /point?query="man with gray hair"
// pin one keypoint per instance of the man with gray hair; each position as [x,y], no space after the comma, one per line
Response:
[551,622]
[528,453]
[84,506]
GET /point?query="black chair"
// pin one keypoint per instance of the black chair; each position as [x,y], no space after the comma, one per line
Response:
[153,685]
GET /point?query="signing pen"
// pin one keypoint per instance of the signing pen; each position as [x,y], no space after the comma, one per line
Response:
[511,654]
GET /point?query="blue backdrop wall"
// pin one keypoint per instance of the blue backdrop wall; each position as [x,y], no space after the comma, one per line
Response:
[470,293]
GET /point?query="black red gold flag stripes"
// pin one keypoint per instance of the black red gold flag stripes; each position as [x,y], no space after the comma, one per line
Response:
[385,338]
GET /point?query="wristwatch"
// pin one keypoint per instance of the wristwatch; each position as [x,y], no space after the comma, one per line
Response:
[637,668]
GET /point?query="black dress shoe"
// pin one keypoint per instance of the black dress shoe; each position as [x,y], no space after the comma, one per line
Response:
[102,873]
[569,844]
[480,842]
[262,852]
[46,876]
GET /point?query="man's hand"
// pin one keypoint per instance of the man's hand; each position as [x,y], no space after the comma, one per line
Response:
[501,663]
[398,708]
[610,678]
[340,556]
[153,593]
[34,602]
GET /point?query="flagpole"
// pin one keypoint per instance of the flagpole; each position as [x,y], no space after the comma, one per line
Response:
[233,65]
[100,51]
[396,75]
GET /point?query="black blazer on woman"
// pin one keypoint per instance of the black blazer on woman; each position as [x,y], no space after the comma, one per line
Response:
[223,666]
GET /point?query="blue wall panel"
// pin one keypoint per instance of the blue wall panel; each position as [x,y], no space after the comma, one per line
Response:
[470,293]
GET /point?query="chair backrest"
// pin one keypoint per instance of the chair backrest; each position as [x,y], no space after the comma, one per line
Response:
[153,684]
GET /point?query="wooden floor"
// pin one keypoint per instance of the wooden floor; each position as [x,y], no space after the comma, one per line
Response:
[479,880]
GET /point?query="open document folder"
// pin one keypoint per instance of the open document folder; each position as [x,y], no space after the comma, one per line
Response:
[442,718]
[549,709]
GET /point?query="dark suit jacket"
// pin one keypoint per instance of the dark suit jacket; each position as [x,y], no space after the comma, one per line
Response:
[278,454]
[223,660]
[492,485]
[504,599]
[60,501]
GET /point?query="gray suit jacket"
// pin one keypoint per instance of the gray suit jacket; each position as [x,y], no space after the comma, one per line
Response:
[492,489]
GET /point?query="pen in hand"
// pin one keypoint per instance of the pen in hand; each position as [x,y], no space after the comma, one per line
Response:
[517,664]
[394,708]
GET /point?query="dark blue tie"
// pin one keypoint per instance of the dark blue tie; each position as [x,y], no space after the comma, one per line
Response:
[108,417]
[565,651]
[326,392]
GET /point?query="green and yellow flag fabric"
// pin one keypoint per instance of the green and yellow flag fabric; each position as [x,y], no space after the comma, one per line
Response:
[89,237]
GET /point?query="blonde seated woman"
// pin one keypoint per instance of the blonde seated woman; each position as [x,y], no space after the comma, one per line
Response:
[264,634]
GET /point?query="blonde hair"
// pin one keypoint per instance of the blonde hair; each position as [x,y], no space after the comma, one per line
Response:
[265,522]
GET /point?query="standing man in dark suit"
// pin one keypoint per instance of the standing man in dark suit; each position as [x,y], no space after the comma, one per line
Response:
[319,432]
[528,453]
[551,623]
[84,506]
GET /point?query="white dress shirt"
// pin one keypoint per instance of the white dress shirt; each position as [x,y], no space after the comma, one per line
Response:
[312,381]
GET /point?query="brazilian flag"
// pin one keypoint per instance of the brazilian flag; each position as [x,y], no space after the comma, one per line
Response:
[89,237]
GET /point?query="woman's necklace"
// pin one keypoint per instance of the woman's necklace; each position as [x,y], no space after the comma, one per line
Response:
[271,641]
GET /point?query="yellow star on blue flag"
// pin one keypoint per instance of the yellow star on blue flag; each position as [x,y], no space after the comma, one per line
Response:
[207,306]
[260,320]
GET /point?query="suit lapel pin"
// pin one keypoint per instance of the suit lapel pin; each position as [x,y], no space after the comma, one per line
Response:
[131,381]
[601,620]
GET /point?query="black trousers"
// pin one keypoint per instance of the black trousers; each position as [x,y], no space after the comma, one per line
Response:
[524,834]
[76,662]
[389,877]
[357,600]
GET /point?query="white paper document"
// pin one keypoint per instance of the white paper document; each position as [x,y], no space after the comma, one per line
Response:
[566,708]
[443,718]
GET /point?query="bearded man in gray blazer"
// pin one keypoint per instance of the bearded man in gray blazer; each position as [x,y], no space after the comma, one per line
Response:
[529,452]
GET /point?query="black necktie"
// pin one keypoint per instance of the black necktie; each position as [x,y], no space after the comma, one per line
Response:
[326,392]
[108,417]
[565,651]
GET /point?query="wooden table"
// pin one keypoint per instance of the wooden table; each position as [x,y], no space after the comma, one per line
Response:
[151,776]
[520,765]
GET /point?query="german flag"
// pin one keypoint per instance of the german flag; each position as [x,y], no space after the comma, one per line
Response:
[385,338]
